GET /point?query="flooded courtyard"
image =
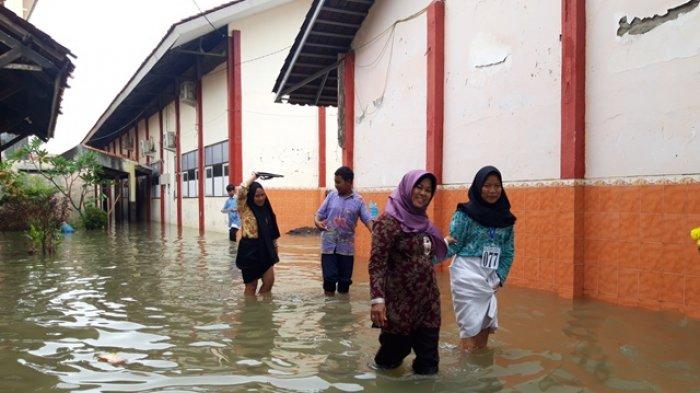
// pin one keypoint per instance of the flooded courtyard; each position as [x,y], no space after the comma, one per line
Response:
[172,307]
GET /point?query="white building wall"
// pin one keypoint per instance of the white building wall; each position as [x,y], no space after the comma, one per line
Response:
[154,134]
[277,138]
[169,165]
[215,105]
[188,128]
[390,94]
[502,89]
[642,107]
[334,154]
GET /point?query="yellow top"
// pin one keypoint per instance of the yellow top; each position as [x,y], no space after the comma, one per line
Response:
[249,225]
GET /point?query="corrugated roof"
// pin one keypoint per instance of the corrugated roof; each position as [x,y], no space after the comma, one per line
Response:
[309,75]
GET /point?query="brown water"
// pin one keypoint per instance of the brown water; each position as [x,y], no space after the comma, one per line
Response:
[172,307]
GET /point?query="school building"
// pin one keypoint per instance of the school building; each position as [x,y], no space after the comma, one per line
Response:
[587,108]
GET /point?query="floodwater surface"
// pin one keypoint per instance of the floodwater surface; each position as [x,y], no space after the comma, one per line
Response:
[172,308]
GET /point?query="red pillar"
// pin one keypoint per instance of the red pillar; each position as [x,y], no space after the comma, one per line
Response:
[200,157]
[436,87]
[178,161]
[573,160]
[162,167]
[121,152]
[321,147]
[573,89]
[235,129]
[349,109]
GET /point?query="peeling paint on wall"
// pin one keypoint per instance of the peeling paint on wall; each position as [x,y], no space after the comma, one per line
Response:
[644,25]
[487,51]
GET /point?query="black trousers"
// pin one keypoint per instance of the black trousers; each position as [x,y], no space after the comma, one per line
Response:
[232,234]
[337,270]
[395,347]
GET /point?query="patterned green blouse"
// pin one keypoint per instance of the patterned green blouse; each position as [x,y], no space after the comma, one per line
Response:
[472,237]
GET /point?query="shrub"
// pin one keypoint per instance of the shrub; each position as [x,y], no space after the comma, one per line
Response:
[94,218]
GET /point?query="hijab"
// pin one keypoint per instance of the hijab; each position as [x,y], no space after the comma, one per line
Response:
[267,221]
[491,215]
[411,218]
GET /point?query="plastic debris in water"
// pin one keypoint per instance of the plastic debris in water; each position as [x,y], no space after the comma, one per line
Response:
[111,358]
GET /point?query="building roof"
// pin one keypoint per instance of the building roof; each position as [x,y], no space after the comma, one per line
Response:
[173,60]
[310,73]
[34,69]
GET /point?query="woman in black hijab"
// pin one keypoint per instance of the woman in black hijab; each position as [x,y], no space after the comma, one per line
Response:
[257,250]
[481,237]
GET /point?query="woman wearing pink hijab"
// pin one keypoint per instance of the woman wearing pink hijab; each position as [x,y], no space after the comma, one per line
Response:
[405,295]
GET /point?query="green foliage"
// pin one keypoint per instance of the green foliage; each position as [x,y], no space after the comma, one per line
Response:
[72,178]
[94,218]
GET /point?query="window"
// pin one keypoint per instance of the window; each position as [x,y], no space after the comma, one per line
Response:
[215,171]
[209,181]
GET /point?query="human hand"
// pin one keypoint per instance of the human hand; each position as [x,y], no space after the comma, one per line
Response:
[378,314]
[322,225]
[450,240]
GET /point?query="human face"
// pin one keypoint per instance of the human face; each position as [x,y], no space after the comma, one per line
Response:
[343,186]
[231,192]
[492,189]
[422,193]
[259,197]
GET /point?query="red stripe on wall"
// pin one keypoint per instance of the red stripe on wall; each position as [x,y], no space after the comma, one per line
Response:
[436,88]
[573,90]
[349,109]
[235,118]
[321,147]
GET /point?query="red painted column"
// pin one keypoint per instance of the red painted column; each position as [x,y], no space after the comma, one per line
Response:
[321,147]
[178,161]
[436,87]
[235,118]
[200,156]
[349,109]
[571,260]
[573,89]
[162,167]
[121,151]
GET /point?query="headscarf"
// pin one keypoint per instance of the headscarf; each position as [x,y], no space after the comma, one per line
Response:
[491,215]
[411,218]
[267,222]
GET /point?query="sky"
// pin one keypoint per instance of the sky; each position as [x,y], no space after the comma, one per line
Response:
[110,39]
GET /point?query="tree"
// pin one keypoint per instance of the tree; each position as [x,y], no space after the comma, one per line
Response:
[72,178]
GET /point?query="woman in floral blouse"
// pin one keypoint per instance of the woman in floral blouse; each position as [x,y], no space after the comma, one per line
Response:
[405,295]
[481,237]
[257,250]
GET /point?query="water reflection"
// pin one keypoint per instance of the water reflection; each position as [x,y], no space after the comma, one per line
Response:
[170,304]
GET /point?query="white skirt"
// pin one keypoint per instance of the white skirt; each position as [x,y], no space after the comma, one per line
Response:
[473,296]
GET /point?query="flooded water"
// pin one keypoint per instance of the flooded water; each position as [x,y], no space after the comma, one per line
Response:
[172,308]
